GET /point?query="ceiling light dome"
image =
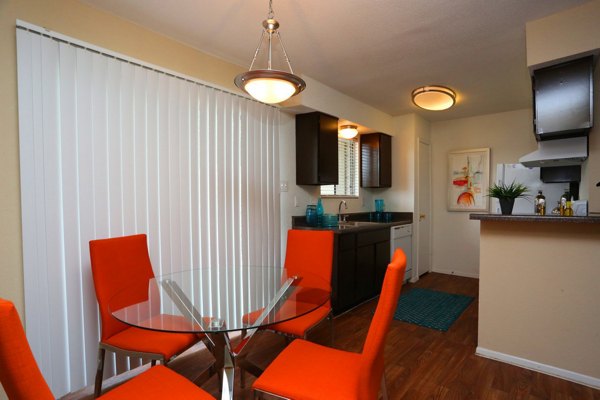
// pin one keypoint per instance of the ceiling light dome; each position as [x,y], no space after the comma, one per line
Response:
[434,97]
[270,85]
[348,131]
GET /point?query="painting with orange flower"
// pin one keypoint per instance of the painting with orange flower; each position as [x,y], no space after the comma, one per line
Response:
[468,179]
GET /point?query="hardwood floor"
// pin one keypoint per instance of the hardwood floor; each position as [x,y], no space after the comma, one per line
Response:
[421,363]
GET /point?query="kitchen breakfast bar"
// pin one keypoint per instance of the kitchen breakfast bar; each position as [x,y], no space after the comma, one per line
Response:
[539,293]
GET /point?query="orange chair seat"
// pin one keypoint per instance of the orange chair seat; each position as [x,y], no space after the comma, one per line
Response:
[325,366]
[298,326]
[158,383]
[147,341]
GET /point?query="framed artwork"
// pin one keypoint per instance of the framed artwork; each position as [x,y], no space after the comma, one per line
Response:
[468,180]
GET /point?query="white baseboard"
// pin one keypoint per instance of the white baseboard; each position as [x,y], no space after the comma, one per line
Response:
[535,366]
[457,273]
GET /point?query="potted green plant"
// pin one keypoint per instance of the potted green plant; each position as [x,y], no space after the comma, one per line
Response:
[507,194]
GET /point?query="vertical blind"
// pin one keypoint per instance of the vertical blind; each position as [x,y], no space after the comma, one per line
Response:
[347,169]
[111,147]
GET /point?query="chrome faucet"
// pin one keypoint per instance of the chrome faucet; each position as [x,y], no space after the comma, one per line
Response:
[340,218]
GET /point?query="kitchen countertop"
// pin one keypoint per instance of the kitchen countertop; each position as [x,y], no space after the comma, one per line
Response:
[370,226]
[361,219]
[592,219]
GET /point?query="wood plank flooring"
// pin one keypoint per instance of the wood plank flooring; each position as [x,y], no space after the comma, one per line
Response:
[421,363]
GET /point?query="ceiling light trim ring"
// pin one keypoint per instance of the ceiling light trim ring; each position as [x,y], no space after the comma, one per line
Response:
[245,77]
[438,89]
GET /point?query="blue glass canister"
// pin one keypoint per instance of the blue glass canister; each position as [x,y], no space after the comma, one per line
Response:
[311,215]
[379,209]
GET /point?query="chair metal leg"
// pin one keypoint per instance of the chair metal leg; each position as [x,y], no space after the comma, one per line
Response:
[384,395]
[99,372]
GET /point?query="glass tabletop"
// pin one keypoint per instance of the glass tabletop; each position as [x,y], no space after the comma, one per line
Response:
[211,300]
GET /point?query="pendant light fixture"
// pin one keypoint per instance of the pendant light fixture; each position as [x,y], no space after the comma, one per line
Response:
[270,85]
[434,97]
[348,131]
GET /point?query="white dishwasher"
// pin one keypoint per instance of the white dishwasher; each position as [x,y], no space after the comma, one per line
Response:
[401,238]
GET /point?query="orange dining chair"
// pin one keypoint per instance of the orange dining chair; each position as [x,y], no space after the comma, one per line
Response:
[120,264]
[308,371]
[22,379]
[311,252]
[307,251]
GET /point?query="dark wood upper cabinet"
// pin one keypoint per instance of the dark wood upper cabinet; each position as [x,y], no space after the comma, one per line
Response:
[316,149]
[375,160]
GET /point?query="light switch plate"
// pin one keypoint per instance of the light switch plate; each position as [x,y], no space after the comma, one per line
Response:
[283,186]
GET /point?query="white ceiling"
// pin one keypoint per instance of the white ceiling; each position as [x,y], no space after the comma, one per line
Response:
[376,51]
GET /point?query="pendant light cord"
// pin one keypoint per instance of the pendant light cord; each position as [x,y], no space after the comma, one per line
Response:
[271,14]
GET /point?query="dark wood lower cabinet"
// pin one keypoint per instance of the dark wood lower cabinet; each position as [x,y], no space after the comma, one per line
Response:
[345,293]
[365,273]
[360,261]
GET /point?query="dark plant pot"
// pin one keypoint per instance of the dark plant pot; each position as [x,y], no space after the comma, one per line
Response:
[506,206]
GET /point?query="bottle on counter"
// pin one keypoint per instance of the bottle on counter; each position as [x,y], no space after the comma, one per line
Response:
[539,205]
[563,202]
[568,209]
[320,212]
[556,210]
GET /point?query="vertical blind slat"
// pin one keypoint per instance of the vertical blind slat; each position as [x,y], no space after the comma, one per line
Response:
[53,206]
[68,121]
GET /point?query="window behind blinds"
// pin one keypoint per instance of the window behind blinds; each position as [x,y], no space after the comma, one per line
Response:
[348,170]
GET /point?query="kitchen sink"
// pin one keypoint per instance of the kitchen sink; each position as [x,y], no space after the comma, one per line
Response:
[354,224]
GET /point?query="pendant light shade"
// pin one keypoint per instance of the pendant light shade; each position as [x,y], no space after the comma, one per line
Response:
[348,131]
[434,97]
[270,85]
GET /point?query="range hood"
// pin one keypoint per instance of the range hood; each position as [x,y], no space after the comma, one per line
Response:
[558,153]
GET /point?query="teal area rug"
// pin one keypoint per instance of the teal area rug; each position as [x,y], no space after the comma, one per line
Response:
[430,308]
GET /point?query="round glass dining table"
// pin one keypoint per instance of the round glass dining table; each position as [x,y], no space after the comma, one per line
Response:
[217,302]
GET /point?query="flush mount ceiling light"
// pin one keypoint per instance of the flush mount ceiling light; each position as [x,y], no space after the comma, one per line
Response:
[270,85]
[434,97]
[348,131]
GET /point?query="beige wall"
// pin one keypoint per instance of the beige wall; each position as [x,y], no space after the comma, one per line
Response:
[509,136]
[562,36]
[538,293]
[325,99]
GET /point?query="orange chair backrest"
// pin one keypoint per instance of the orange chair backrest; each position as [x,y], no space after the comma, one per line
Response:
[372,354]
[310,252]
[19,373]
[121,266]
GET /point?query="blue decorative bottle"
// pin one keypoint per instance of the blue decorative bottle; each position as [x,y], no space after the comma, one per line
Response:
[320,212]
